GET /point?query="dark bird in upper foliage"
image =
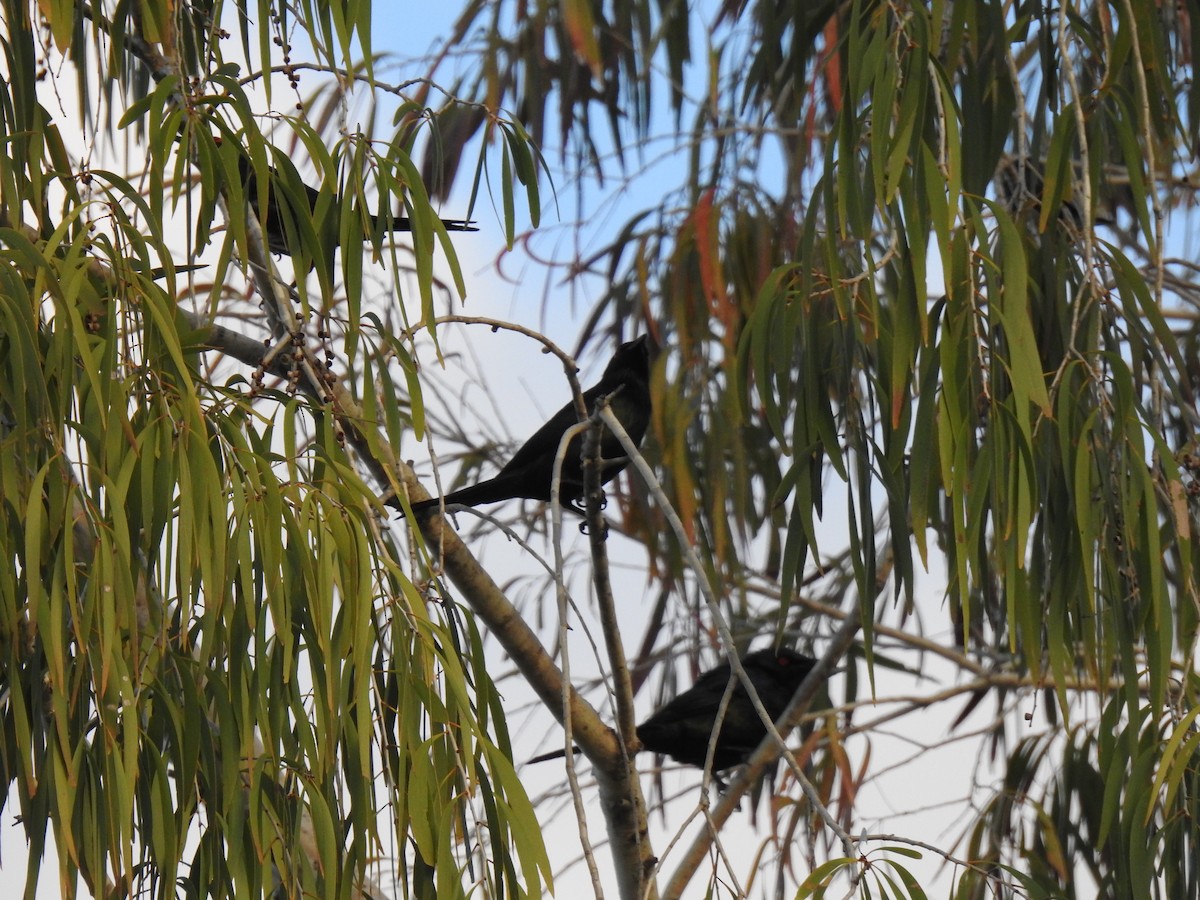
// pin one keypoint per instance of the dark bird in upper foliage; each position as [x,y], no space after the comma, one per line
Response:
[626,383]
[683,728]
[275,231]
[1021,185]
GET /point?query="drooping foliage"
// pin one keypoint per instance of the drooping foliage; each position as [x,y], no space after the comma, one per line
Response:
[214,670]
[929,264]
[922,268]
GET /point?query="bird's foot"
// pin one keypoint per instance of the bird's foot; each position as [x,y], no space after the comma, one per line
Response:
[580,504]
[583,529]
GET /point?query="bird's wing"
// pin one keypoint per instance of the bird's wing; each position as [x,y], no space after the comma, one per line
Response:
[703,696]
[541,446]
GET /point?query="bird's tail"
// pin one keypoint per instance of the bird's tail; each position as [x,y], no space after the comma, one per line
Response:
[546,757]
[403,223]
[490,491]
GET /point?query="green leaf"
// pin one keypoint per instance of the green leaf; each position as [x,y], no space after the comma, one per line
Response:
[819,879]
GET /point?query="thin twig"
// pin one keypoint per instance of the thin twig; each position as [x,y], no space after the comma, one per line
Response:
[561,593]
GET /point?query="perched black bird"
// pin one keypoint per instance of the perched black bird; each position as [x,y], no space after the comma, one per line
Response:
[275,231]
[683,728]
[626,382]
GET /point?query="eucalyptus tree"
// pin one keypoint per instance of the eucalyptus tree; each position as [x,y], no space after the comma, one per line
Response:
[920,276]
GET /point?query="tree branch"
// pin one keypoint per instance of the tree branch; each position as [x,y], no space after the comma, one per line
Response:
[630,818]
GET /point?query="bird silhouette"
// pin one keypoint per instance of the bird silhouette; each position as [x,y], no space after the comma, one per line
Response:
[683,729]
[279,206]
[626,384]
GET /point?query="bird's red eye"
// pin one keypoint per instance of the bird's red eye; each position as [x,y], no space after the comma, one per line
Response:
[783,660]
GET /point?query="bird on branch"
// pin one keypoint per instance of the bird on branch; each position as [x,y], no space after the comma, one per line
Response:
[683,729]
[626,386]
[282,200]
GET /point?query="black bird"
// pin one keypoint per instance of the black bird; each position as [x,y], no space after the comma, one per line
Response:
[626,382]
[683,728]
[275,231]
